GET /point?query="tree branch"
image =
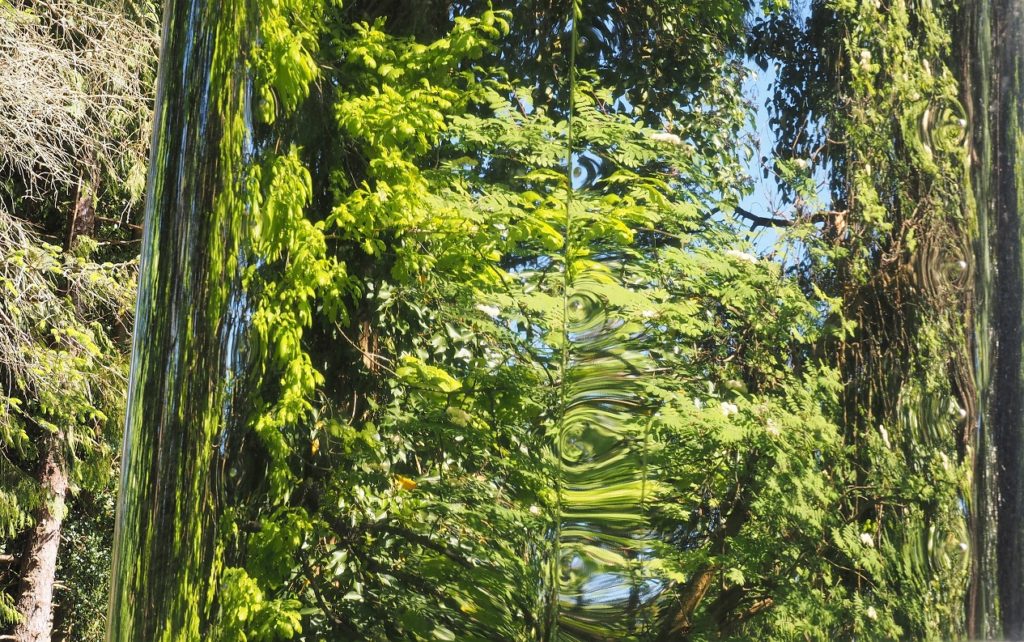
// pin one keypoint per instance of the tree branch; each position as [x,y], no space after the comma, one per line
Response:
[756,220]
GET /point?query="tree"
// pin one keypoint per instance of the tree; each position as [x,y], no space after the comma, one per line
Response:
[449,203]
[75,92]
[505,362]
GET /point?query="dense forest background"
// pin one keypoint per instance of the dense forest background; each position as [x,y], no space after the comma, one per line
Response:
[471,221]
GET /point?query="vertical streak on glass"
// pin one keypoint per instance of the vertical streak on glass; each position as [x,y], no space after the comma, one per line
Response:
[564,347]
[995,88]
[191,322]
[982,606]
[603,534]
[604,588]
[1007,408]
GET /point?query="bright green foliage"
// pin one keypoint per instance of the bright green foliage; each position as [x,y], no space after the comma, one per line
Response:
[402,90]
[283,64]
[461,176]
[369,515]
[294,249]
[433,275]
[250,616]
[285,307]
[395,103]
[411,307]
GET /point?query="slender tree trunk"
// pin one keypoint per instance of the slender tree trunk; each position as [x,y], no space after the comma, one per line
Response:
[39,564]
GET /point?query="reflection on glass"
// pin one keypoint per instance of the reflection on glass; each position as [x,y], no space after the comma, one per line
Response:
[187,405]
[451,327]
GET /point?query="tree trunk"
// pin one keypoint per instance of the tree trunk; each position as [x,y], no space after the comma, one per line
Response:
[39,565]
[690,597]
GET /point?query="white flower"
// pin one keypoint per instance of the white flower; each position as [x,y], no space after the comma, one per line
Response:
[742,256]
[489,310]
[729,409]
[872,613]
[535,510]
[963,546]
[665,137]
[867,540]
[801,163]
[698,404]
[772,429]
[963,122]
[648,314]
[865,56]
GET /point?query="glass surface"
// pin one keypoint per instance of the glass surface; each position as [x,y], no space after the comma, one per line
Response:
[610,321]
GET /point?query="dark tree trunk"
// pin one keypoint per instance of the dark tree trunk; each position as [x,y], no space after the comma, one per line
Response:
[1007,407]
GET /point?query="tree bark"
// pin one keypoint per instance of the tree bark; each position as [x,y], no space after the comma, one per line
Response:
[690,596]
[39,566]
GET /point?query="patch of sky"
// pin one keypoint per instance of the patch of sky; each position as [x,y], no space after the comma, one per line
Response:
[768,195]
